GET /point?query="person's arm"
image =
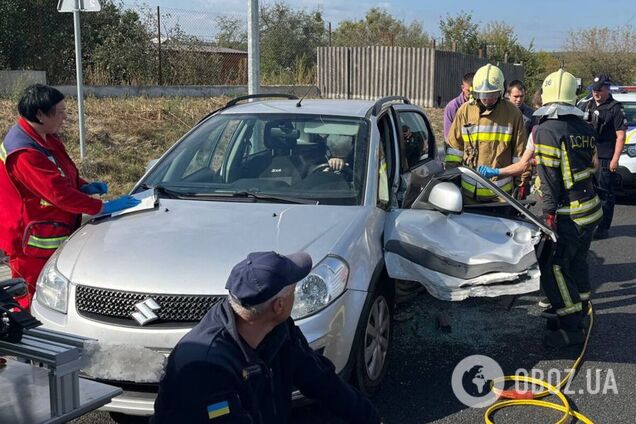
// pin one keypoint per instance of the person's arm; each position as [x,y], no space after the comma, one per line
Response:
[200,392]
[39,175]
[448,118]
[315,377]
[620,123]
[455,142]
[518,168]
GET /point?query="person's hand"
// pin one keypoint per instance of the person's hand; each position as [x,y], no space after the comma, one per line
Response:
[488,172]
[336,164]
[96,187]
[120,203]
[613,166]
[550,221]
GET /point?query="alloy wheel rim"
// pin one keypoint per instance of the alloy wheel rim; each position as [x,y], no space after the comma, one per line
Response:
[376,340]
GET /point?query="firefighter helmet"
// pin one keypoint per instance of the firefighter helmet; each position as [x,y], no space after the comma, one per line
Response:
[488,80]
[559,87]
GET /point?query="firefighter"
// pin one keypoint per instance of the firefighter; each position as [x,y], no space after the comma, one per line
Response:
[566,160]
[43,196]
[486,131]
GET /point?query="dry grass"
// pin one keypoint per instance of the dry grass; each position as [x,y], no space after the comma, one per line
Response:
[123,134]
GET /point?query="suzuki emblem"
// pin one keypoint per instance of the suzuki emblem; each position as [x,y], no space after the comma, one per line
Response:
[145,311]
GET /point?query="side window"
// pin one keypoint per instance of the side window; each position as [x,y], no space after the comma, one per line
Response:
[416,138]
[383,180]
[209,155]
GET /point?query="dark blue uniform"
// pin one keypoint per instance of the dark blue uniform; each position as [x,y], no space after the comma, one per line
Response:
[213,376]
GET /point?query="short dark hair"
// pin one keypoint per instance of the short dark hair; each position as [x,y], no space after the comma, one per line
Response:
[516,84]
[468,78]
[38,97]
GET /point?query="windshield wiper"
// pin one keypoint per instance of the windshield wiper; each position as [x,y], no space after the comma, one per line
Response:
[268,197]
[166,192]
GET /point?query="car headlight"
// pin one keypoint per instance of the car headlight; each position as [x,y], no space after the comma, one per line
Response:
[631,150]
[52,287]
[322,286]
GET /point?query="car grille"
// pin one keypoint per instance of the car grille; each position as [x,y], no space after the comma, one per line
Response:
[115,306]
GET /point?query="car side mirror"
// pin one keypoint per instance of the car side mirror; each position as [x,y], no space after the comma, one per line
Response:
[151,163]
[445,197]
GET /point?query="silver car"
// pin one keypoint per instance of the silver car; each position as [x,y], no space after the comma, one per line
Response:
[353,183]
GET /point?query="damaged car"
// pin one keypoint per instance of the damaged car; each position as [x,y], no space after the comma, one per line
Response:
[355,184]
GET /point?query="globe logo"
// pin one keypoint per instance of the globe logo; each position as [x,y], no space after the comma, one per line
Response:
[473,378]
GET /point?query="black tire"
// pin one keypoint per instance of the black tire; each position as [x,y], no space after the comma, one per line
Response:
[369,369]
[120,418]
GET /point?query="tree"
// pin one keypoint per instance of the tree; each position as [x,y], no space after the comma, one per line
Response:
[232,33]
[597,50]
[288,42]
[461,30]
[379,27]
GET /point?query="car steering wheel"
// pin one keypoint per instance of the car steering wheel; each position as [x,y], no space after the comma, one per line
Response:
[346,171]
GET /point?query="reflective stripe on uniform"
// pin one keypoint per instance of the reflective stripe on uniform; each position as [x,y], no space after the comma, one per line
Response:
[3,153]
[566,171]
[585,296]
[577,307]
[590,219]
[577,207]
[487,133]
[543,149]
[563,288]
[454,155]
[472,186]
[548,161]
[46,242]
[582,175]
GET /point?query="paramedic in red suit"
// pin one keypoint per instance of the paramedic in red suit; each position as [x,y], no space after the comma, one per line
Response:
[42,196]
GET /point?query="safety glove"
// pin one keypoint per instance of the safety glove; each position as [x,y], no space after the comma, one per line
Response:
[96,187]
[550,221]
[488,172]
[120,203]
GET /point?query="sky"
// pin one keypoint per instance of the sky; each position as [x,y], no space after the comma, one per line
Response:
[545,23]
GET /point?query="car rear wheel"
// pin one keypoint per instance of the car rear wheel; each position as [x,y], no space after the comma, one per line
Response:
[373,348]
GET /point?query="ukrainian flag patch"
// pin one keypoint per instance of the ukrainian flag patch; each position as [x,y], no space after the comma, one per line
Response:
[218,409]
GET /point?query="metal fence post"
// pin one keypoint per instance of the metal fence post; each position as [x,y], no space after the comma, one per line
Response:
[159,44]
[253,48]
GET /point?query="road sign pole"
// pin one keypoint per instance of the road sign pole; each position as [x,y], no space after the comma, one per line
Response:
[78,66]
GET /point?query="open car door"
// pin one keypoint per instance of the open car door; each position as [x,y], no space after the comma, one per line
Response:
[464,252]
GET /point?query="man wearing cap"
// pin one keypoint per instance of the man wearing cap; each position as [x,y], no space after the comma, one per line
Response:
[242,361]
[607,117]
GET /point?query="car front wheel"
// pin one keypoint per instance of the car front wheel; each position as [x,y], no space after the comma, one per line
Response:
[373,348]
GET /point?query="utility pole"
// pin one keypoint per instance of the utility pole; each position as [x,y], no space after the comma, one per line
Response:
[253,48]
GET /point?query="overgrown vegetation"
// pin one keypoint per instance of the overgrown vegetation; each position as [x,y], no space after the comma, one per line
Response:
[124,134]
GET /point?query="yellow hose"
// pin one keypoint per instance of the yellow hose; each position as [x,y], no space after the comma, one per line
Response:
[549,389]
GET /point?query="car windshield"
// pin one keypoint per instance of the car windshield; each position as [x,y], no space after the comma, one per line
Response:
[630,113]
[274,156]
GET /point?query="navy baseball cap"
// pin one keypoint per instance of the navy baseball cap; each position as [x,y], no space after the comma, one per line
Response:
[261,275]
[600,81]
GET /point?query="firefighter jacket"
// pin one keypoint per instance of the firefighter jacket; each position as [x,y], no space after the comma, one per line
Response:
[564,151]
[494,138]
[39,187]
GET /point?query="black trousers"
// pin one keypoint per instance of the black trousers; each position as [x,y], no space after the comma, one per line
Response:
[565,276]
[607,182]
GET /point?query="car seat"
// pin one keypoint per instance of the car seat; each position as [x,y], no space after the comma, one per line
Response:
[280,139]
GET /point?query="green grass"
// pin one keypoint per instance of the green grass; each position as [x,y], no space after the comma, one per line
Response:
[123,134]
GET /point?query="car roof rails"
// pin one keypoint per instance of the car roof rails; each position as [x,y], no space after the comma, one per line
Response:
[382,101]
[239,99]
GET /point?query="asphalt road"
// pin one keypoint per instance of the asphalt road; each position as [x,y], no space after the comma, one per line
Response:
[417,387]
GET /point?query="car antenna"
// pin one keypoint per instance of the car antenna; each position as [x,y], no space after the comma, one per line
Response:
[303,97]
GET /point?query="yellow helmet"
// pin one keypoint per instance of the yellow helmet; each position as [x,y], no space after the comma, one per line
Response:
[559,87]
[487,81]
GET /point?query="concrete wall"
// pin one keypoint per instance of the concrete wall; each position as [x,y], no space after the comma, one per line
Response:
[428,77]
[13,82]
[185,91]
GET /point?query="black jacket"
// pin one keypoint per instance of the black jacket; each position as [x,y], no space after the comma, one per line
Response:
[213,376]
[605,119]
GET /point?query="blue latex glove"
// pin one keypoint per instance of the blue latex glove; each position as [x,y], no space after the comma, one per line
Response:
[120,203]
[487,171]
[96,187]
